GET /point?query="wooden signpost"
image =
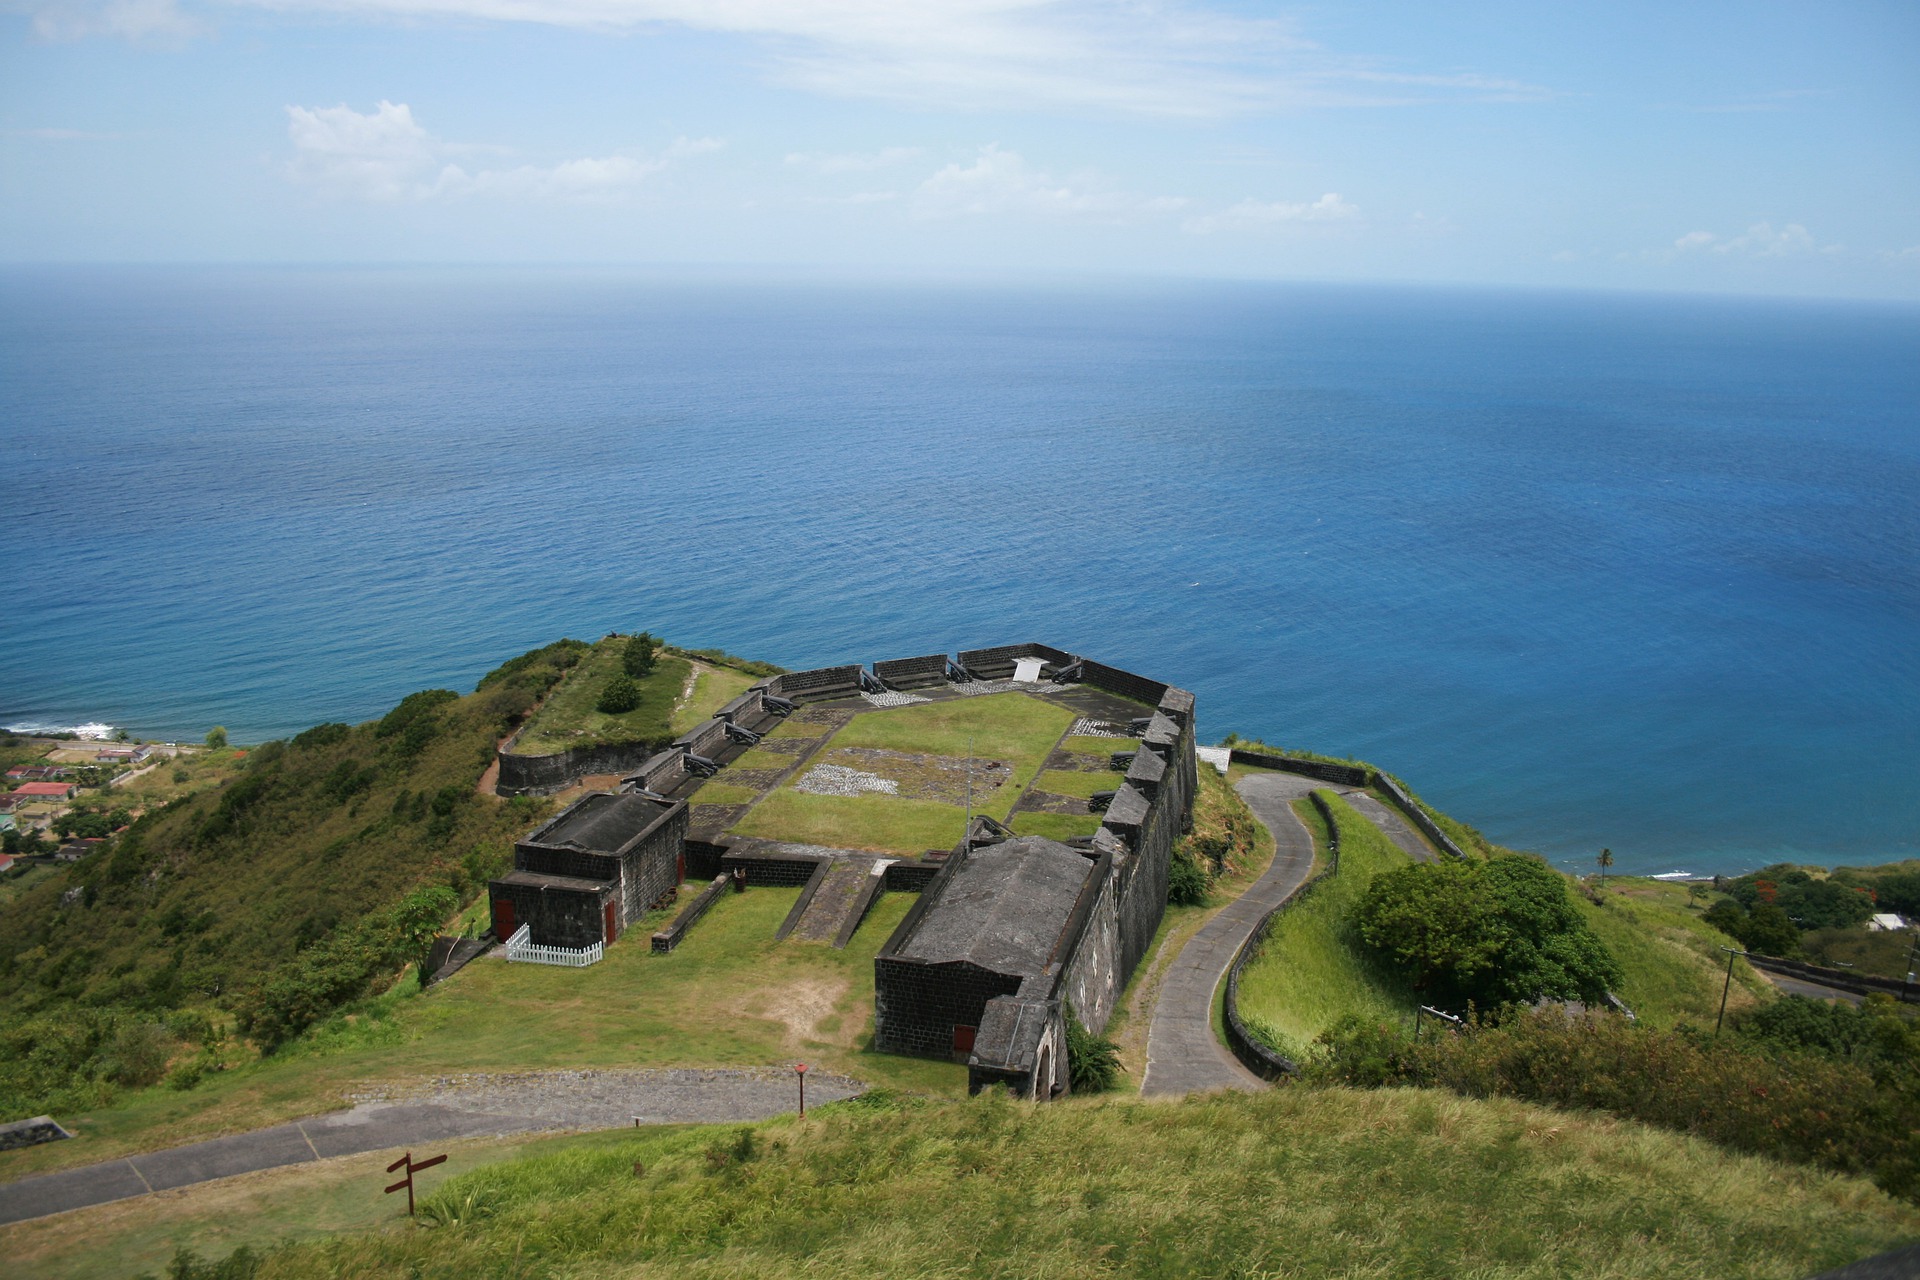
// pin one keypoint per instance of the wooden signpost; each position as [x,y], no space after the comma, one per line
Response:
[406,1162]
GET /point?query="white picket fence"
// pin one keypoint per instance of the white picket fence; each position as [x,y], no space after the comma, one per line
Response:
[521,947]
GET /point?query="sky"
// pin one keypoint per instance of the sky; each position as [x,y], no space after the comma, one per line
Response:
[1756,147]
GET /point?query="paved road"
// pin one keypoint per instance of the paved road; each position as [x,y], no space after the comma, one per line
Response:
[462,1107]
[1811,990]
[1391,822]
[1183,1054]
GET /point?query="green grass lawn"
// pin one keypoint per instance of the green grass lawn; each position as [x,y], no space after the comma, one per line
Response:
[713,688]
[1290,1182]
[1010,727]
[1001,726]
[761,758]
[729,996]
[1672,963]
[1313,970]
[568,717]
[1099,746]
[1066,782]
[883,824]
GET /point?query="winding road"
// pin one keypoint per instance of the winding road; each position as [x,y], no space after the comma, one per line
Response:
[1183,1054]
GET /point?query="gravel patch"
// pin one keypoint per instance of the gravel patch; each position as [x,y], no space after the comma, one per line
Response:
[611,1099]
[838,780]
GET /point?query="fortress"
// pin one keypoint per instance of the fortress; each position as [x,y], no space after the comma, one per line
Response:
[826,778]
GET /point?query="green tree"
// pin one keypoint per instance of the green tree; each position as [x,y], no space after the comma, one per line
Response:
[1605,860]
[217,738]
[1488,934]
[622,694]
[638,657]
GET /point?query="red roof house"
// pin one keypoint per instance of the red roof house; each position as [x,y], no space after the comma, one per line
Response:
[43,790]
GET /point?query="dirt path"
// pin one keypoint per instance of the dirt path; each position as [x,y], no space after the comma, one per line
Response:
[434,1111]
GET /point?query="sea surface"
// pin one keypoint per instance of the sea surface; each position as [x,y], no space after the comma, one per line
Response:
[1585,569]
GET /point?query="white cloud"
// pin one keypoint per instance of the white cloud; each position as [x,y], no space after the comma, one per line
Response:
[387,155]
[1758,241]
[141,21]
[1151,57]
[1909,256]
[1002,182]
[1256,213]
[851,162]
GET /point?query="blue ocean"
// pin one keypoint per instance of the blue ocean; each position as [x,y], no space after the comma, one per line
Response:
[1584,569]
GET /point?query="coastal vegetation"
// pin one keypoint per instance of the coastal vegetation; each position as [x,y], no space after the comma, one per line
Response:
[1307,1182]
[599,701]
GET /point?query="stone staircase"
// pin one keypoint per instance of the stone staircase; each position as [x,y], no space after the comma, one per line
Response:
[836,900]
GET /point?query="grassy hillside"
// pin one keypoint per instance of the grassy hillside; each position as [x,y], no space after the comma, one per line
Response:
[571,718]
[1294,1182]
[729,996]
[1312,970]
[117,964]
[1673,963]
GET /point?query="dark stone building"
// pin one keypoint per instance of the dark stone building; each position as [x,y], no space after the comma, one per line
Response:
[988,952]
[594,869]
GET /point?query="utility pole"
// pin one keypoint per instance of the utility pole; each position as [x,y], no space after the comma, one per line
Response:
[1726,987]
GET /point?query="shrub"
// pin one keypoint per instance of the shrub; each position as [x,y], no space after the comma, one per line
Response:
[637,658]
[1486,934]
[1093,1062]
[1791,1106]
[217,738]
[1187,881]
[341,968]
[621,695]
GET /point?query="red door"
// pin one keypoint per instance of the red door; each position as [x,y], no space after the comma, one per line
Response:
[613,929]
[963,1039]
[502,919]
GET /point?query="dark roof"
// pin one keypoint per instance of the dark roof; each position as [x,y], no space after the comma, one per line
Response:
[1003,907]
[1010,1031]
[602,822]
[564,884]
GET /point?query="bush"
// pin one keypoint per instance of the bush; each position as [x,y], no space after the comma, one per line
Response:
[1791,1106]
[638,657]
[1093,1062]
[1187,881]
[621,695]
[1486,934]
[217,738]
[342,968]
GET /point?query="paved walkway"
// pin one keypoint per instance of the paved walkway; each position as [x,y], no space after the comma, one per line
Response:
[460,1107]
[1391,823]
[1183,1054]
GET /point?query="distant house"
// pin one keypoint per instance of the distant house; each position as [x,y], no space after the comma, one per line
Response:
[75,850]
[42,791]
[35,773]
[6,863]
[1886,922]
[114,755]
[142,751]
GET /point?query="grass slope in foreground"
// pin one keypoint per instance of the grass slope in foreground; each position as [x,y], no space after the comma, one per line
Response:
[1400,1183]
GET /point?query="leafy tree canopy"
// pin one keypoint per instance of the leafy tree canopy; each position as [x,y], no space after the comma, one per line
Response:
[1488,934]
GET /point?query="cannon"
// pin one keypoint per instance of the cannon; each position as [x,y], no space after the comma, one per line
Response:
[740,733]
[779,706]
[1070,673]
[701,765]
[1121,760]
[1099,800]
[957,674]
[1139,725]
